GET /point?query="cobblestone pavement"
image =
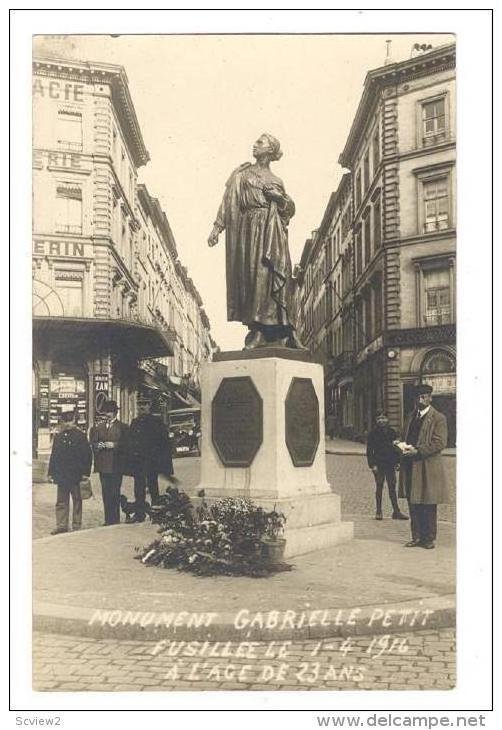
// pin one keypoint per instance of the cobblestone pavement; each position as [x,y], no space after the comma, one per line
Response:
[419,660]
[348,475]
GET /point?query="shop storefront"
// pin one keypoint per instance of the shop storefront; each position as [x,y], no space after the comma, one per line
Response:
[437,369]
[82,363]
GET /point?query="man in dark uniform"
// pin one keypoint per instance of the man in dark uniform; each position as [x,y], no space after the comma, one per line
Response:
[149,453]
[383,459]
[70,460]
[108,444]
[422,478]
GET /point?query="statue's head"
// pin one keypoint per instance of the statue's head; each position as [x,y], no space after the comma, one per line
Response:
[267,146]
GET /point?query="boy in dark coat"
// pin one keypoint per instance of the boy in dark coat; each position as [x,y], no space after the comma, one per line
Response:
[108,441]
[149,453]
[383,460]
[71,459]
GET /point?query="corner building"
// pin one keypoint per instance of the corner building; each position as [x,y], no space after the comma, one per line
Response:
[90,325]
[401,155]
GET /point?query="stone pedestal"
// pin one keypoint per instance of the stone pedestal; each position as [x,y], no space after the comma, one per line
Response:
[263,438]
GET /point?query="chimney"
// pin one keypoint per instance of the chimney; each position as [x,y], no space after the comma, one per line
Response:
[388,57]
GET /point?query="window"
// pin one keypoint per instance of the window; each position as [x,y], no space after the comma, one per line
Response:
[437,299]
[358,189]
[69,286]
[366,171]
[438,361]
[376,150]
[367,239]
[131,186]
[329,300]
[378,308]
[359,325]
[377,225]
[114,142]
[329,254]
[345,222]
[69,130]
[359,254]
[68,209]
[433,121]
[368,324]
[436,205]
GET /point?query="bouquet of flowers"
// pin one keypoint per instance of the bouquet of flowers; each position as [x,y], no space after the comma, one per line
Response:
[224,538]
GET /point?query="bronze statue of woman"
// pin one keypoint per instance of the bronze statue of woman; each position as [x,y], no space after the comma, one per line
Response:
[254,214]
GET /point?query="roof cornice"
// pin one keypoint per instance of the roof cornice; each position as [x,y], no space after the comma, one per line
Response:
[94,73]
[439,59]
[333,203]
[159,218]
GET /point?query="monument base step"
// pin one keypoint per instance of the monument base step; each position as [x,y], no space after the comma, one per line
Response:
[318,537]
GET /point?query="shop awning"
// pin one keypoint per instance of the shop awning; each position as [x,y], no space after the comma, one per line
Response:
[88,337]
[169,385]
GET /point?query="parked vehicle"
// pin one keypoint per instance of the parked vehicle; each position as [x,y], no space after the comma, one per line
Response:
[185,432]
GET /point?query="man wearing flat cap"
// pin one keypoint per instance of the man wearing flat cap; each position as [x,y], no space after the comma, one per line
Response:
[383,459]
[108,441]
[422,479]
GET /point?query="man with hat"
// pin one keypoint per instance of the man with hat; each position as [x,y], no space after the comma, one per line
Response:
[383,459]
[70,460]
[149,453]
[108,440]
[422,479]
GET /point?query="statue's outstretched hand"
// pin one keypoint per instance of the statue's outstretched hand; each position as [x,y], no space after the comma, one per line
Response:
[213,237]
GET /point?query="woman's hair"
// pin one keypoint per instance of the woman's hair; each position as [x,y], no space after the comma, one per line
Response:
[275,146]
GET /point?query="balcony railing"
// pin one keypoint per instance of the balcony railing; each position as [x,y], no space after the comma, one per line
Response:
[72,146]
[430,140]
[67,228]
[440,316]
[436,224]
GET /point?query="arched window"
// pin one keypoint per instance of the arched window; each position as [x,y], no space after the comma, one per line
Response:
[438,361]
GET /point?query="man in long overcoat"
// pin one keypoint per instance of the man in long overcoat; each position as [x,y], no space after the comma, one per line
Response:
[149,453]
[422,479]
[108,441]
[70,460]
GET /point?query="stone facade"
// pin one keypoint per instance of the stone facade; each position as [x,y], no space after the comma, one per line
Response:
[400,152]
[94,323]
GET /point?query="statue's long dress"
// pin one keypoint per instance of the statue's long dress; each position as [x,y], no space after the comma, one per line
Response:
[259,282]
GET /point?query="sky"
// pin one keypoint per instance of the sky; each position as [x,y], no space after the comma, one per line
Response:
[201,101]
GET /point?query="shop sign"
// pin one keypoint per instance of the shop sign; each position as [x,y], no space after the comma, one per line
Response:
[59,248]
[44,402]
[49,159]
[58,90]
[101,390]
[67,393]
[441,384]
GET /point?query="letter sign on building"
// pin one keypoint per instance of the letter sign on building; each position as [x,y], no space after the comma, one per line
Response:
[302,421]
[237,421]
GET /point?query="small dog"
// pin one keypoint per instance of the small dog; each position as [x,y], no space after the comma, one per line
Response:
[129,509]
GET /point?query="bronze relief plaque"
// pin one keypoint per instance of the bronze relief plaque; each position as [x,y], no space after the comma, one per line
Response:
[302,421]
[237,421]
